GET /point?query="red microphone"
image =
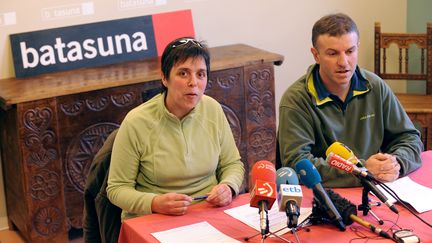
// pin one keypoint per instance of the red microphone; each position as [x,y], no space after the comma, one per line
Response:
[365,177]
[263,194]
[340,163]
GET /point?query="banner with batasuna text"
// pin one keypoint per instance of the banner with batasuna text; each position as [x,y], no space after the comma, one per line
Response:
[97,44]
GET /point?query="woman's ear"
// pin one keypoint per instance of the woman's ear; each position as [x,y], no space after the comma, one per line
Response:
[164,80]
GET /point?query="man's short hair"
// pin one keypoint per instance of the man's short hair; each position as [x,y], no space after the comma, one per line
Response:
[333,25]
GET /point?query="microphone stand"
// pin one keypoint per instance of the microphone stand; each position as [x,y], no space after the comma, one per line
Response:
[365,206]
[302,225]
[267,235]
[265,230]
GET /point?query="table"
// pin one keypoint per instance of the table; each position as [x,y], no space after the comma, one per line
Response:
[52,125]
[140,229]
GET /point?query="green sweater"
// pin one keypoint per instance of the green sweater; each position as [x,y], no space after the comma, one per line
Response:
[155,153]
[373,121]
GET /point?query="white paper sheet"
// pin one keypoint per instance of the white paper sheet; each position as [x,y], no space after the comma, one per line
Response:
[418,196]
[277,220]
[194,233]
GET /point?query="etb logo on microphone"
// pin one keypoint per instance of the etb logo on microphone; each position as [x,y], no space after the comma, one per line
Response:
[291,190]
[287,193]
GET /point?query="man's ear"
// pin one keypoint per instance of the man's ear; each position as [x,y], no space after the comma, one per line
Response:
[315,54]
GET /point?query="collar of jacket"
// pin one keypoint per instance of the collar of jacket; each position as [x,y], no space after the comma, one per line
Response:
[361,86]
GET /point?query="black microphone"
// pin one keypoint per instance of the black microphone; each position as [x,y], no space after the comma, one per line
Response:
[369,185]
[290,194]
[312,180]
[343,206]
[349,214]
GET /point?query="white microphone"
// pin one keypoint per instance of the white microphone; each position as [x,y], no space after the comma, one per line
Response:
[290,194]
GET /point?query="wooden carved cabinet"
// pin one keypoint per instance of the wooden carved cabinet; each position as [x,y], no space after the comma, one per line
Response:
[53,125]
[419,110]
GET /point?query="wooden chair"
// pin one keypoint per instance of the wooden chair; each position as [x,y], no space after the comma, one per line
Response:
[418,106]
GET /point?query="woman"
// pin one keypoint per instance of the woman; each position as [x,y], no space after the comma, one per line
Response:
[176,146]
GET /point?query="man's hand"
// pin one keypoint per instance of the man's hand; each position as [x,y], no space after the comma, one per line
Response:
[171,203]
[384,167]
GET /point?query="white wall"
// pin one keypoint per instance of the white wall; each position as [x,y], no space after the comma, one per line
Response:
[281,26]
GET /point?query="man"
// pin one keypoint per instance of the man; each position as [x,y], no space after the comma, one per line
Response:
[338,101]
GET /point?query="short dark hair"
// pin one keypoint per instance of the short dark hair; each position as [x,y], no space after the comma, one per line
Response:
[334,25]
[181,49]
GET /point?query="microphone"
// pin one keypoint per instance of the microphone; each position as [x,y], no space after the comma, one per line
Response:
[365,178]
[340,163]
[370,226]
[286,175]
[290,194]
[343,151]
[263,194]
[378,193]
[312,180]
[349,214]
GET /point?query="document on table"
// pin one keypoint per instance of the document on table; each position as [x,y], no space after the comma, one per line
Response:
[418,196]
[194,233]
[277,220]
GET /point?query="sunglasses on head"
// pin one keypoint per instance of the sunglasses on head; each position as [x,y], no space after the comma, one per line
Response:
[185,41]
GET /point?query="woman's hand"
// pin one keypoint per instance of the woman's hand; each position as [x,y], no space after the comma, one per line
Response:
[171,203]
[220,195]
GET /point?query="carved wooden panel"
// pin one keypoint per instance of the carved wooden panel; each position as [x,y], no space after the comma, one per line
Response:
[227,87]
[42,169]
[260,114]
[86,120]
[424,120]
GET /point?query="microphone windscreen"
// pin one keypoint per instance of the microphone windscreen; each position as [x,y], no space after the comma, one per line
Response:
[343,205]
[343,151]
[307,172]
[263,170]
[286,175]
[339,149]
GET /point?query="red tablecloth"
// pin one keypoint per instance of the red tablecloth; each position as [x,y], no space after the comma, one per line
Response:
[139,229]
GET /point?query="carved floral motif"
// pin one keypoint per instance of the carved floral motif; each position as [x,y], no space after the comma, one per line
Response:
[123,100]
[39,140]
[73,108]
[47,221]
[262,142]
[97,104]
[81,151]
[234,123]
[261,98]
[45,185]
[38,119]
